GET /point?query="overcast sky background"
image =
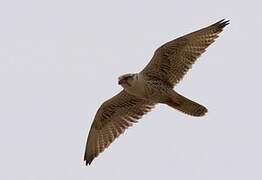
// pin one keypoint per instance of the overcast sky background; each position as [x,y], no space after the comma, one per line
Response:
[59,60]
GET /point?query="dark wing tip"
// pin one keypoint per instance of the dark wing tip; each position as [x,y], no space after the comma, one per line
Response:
[88,160]
[222,23]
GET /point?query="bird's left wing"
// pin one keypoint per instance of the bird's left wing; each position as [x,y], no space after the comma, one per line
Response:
[172,60]
[112,119]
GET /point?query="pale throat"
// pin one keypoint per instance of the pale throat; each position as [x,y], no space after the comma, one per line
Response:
[137,86]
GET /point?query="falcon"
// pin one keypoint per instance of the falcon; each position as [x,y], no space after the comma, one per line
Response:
[153,85]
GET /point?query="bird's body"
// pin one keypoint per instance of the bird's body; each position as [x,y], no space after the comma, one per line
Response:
[157,91]
[142,87]
[153,85]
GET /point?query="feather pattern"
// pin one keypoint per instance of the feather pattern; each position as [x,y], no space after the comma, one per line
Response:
[172,60]
[112,119]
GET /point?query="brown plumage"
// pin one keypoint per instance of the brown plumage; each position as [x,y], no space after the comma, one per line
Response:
[112,119]
[154,84]
[172,60]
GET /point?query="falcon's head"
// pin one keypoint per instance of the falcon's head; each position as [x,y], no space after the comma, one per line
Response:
[127,80]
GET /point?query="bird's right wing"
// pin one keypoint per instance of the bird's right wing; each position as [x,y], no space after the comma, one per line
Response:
[112,119]
[172,60]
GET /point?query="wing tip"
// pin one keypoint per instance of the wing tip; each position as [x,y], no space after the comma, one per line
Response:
[222,23]
[88,160]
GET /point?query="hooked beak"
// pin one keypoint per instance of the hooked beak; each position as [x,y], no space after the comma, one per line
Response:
[120,81]
[123,81]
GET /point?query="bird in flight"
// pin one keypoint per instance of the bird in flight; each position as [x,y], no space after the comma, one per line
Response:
[153,85]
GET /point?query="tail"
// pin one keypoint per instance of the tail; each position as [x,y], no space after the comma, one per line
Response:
[185,105]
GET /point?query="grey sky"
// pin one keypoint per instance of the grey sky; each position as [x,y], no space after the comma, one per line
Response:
[59,60]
